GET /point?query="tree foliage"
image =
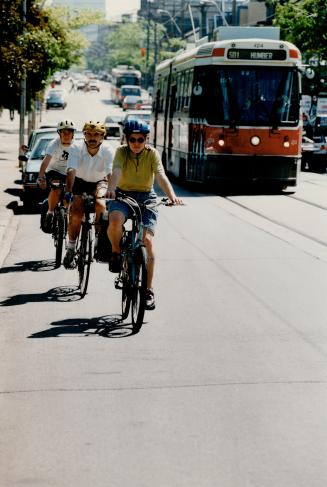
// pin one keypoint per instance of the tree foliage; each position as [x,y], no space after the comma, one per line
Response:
[304,23]
[150,45]
[33,49]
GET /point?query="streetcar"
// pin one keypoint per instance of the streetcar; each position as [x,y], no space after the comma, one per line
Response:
[230,111]
[123,75]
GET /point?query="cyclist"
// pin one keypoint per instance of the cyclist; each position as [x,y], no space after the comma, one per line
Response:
[89,169]
[135,167]
[54,168]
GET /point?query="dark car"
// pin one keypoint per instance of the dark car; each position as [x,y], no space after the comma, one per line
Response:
[55,100]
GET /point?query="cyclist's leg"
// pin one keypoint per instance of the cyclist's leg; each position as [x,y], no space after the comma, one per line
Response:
[100,202]
[75,217]
[148,242]
[118,213]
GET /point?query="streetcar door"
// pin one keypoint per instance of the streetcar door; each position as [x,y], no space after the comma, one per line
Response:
[170,123]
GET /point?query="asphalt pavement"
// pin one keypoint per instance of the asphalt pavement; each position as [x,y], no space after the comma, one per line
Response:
[9,181]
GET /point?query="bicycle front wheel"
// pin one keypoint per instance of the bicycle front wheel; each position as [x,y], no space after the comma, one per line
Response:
[138,289]
[84,259]
[59,234]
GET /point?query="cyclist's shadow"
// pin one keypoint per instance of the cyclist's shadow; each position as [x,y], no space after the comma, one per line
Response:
[30,265]
[109,326]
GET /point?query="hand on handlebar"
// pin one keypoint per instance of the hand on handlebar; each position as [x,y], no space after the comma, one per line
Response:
[42,182]
[111,194]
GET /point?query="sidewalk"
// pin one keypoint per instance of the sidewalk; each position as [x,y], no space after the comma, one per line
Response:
[9,173]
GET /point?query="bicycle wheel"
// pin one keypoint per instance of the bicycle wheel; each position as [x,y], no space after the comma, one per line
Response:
[138,288]
[84,259]
[59,234]
[126,295]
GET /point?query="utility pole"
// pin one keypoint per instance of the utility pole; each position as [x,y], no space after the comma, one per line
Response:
[22,104]
[234,12]
[147,46]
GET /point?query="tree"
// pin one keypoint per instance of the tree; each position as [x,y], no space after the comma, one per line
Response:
[34,49]
[304,23]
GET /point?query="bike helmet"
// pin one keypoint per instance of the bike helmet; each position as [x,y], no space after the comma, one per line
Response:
[66,124]
[98,127]
[136,127]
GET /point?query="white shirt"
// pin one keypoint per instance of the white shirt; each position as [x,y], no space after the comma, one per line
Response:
[59,156]
[90,168]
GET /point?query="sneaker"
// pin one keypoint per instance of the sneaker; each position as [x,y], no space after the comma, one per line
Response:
[149,300]
[47,225]
[114,262]
[69,259]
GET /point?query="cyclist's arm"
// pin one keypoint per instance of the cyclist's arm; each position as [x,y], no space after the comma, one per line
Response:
[113,181]
[167,188]
[70,179]
[44,165]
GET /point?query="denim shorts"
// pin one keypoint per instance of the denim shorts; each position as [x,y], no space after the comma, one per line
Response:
[149,216]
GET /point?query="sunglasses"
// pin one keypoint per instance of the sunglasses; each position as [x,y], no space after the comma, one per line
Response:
[139,140]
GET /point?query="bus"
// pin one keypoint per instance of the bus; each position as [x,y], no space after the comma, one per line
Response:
[230,111]
[123,75]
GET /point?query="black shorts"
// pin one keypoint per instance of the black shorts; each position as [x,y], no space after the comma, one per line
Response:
[81,186]
[55,176]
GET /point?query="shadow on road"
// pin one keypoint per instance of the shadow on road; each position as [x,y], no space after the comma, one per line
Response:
[58,294]
[30,265]
[109,326]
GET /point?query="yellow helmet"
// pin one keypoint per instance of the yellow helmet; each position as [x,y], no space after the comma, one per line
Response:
[98,127]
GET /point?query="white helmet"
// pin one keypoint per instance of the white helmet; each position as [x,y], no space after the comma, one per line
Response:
[66,124]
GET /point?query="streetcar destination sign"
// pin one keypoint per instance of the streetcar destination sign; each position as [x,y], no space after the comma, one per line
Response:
[257,54]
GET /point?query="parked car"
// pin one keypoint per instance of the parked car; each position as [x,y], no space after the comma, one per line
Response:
[112,126]
[55,99]
[127,90]
[36,134]
[130,102]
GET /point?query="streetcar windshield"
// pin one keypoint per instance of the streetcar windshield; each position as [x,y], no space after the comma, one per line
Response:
[241,95]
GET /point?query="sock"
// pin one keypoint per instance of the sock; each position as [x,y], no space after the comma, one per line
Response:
[71,244]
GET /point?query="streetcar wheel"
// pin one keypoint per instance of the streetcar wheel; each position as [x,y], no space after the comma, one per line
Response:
[59,235]
[139,288]
[84,261]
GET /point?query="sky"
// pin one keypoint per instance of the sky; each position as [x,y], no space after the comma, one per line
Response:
[118,7]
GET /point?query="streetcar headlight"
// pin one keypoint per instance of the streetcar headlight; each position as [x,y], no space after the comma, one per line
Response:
[221,141]
[286,142]
[255,140]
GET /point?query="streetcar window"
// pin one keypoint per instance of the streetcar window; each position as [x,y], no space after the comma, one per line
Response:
[246,95]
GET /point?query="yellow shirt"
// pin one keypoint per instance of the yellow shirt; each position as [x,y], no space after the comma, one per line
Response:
[138,170]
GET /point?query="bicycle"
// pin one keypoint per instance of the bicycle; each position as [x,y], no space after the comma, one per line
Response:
[84,255]
[132,278]
[59,222]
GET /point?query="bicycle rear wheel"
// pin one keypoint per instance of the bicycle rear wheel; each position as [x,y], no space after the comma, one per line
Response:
[138,288]
[59,234]
[84,259]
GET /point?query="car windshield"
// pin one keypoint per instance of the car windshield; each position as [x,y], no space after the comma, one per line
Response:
[244,95]
[39,150]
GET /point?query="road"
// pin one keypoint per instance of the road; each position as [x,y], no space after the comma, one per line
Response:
[224,385]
